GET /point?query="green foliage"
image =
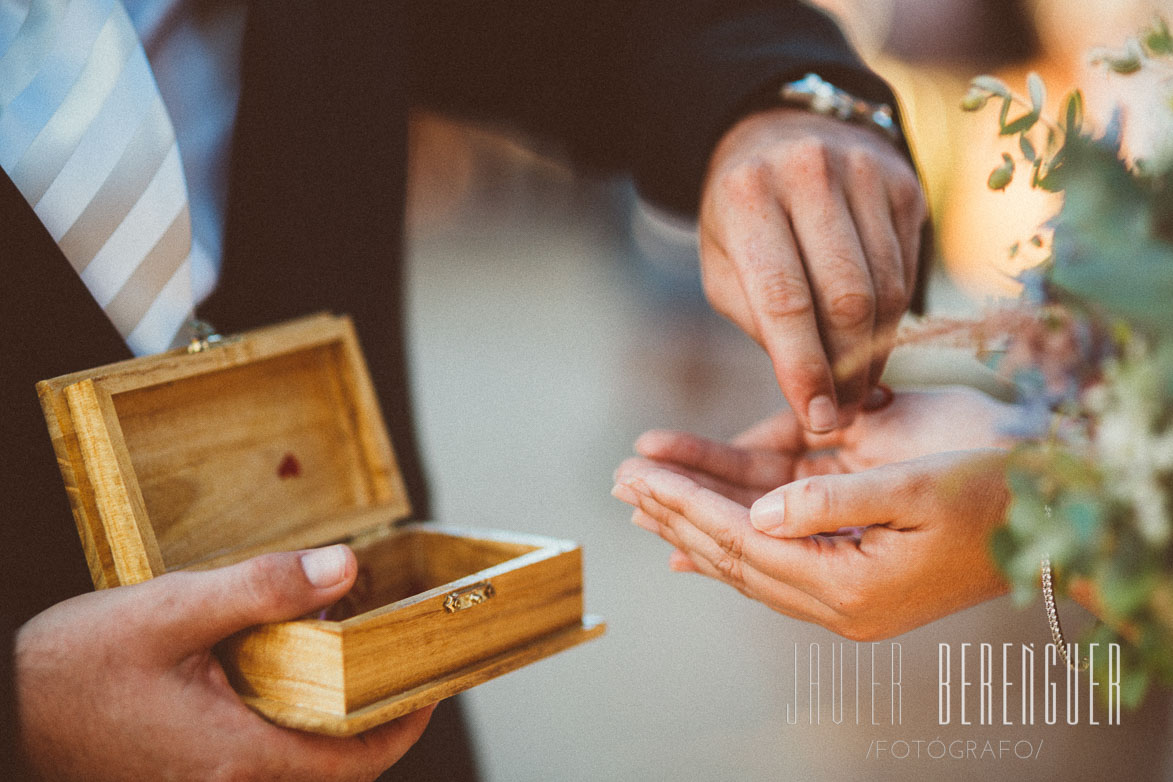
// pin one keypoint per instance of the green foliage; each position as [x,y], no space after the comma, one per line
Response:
[973,101]
[1106,254]
[991,85]
[1126,60]
[1093,490]
[1000,177]
[1028,149]
[1072,121]
[1038,92]
[1157,39]
[1040,155]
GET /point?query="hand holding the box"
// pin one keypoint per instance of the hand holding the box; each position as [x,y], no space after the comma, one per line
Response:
[809,240]
[122,683]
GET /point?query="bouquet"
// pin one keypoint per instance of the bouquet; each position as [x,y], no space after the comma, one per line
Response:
[1089,347]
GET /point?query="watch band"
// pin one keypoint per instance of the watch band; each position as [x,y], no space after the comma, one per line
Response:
[814,94]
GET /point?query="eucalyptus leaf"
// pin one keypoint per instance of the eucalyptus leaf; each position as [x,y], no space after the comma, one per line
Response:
[1124,64]
[1001,176]
[1037,91]
[974,101]
[1054,142]
[1004,112]
[1020,125]
[992,85]
[1157,39]
[1028,149]
[1072,113]
[1109,58]
[1123,61]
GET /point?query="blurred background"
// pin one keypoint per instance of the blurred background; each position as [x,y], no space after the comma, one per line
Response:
[554,318]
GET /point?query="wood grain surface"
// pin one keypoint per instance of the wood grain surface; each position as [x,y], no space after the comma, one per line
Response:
[274,441]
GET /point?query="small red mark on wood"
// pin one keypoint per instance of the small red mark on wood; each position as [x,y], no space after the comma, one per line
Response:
[290,467]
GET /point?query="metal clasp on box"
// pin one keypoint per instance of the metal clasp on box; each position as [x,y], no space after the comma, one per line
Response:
[468,597]
[203,336]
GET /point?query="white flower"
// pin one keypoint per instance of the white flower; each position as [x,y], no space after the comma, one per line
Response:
[1131,454]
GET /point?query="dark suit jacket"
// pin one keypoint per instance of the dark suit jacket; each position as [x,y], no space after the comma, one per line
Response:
[317,190]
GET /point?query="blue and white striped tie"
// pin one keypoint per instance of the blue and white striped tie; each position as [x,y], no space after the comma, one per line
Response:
[86,138]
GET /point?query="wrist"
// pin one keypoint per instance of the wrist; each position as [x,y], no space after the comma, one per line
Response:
[758,134]
[819,96]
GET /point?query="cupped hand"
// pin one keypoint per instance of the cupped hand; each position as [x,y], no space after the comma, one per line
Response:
[809,240]
[922,552]
[778,450]
[122,684]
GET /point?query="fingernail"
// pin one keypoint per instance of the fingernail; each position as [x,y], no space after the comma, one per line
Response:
[769,513]
[625,493]
[821,414]
[324,567]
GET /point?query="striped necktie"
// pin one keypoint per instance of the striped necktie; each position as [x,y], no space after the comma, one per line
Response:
[85,137]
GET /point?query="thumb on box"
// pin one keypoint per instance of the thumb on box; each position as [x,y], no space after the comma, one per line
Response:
[197,610]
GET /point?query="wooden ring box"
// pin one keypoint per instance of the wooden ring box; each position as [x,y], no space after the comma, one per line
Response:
[274,441]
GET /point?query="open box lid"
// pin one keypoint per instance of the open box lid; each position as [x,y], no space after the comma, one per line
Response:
[270,440]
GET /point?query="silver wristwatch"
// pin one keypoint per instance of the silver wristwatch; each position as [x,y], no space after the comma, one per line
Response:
[814,94]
